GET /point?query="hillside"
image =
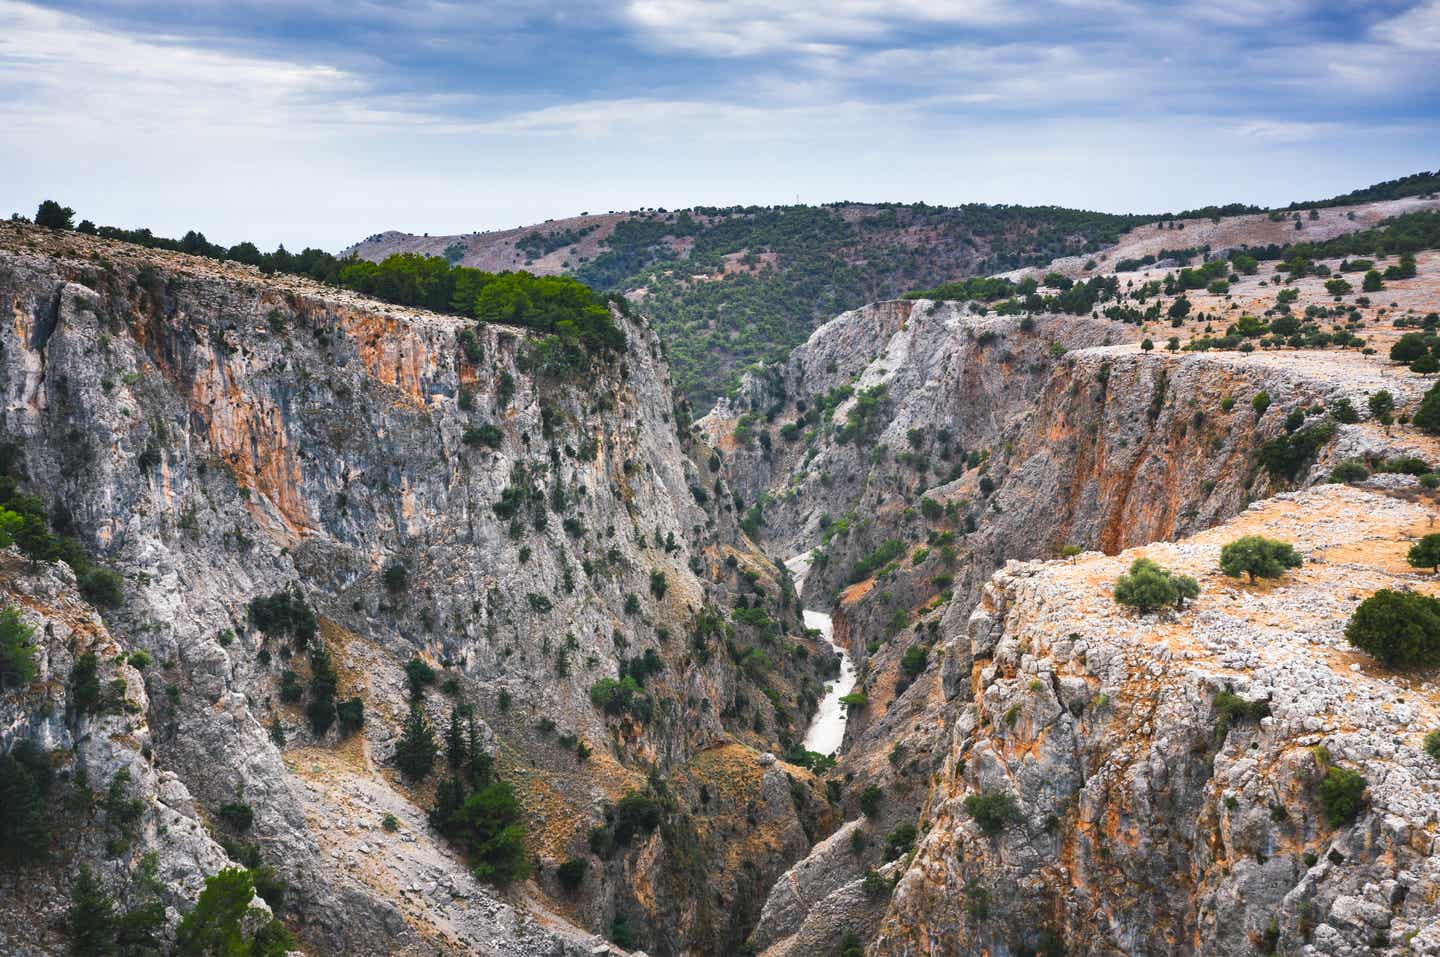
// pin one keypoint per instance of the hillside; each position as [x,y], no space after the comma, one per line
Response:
[729,287]
[915,447]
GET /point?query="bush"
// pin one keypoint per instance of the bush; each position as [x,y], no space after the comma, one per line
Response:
[1427,417]
[1148,587]
[216,923]
[284,613]
[1432,744]
[1401,629]
[636,813]
[237,814]
[487,435]
[870,799]
[899,841]
[1230,707]
[1426,553]
[1261,402]
[1258,557]
[351,714]
[875,886]
[1342,791]
[17,651]
[993,811]
[571,874]
[396,578]
[85,684]
[101,586]
[1349,470]
[915,660]
[889,550]
[25,776]
[489,827]
[92,919]
[1285,455]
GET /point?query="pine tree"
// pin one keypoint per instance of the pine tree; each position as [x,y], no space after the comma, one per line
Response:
[24,833]
[415,753]
[455,749]
[91,918]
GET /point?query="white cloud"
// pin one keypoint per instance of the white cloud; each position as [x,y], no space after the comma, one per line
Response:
[1416,29]
[821,28]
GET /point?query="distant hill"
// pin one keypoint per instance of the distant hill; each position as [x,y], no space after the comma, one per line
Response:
[729,287]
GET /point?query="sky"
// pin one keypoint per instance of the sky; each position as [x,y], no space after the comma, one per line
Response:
[318,123]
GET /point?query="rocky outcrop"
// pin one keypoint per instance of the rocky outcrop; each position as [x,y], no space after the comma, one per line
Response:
[1145,820]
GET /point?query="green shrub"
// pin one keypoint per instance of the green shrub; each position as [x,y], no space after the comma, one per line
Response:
[237,814]
[101,586]
[1427,417]
[870,799]
[1342,791]
[899,841]
[85,684]
[1425,553]
[284,613]
[571,874]
[396,578]
[1350,470]
[1148,587]
[1432,744]
[874,885]
[17,650]
[888,551]
[1258,557]
[1285,455]
[914,660]
[993,811]
[636,813]
[1230,707]
[25,776]
[1401,629]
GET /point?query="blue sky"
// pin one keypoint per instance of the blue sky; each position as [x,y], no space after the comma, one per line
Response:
[318,123]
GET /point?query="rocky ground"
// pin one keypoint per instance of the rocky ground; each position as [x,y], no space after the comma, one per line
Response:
[1144,823]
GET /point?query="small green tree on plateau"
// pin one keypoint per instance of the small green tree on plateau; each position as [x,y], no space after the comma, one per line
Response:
[1426,553]
[1148,587]
[1382,407]
[55,216]
[1401,629]
[1258,557]
[1427,417]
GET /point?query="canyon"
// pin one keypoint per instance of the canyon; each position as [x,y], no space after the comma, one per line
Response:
[956,491]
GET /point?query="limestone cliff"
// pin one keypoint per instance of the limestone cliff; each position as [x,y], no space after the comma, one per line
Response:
[1149,820]
[217,436]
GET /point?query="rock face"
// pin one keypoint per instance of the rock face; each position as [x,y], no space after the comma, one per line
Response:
[999,438]
[1143,820]
[218,436]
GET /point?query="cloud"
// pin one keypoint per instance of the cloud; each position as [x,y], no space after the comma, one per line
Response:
[1416,29]
[742,28]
